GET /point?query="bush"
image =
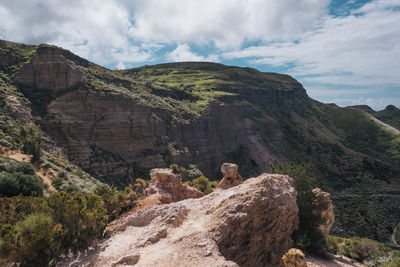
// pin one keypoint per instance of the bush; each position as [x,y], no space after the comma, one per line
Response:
[37,239]
[31,140]
[360,249]
[83,216]
[174,168]
[36,230]
[19,178]
[116,201]
[203,184]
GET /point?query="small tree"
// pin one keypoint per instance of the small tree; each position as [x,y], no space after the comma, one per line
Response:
[31,139]
[308,237]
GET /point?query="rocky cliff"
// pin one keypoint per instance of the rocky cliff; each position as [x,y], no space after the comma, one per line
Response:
[117,125]
[246,225]
[51,70]
[119,138]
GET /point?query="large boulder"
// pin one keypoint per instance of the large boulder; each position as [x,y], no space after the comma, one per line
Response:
[231,176]
[167,187]
[246,225]
[323,205]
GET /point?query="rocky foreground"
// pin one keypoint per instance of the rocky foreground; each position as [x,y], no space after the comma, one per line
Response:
[246,225]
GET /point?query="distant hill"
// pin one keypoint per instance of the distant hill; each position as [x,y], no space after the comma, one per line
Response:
[390,115]
[115,125]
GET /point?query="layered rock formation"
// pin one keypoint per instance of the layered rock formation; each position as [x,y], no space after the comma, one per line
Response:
[246,225]
[231,176]
[51,70]
[120,124]
[142,138]
[323,205]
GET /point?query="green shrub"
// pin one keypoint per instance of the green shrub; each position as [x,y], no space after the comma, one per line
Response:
[140,185]
[174,168]
[31,140]
[83,216]
[361,250]
[116,201]
[19,178]
[37,239]
[57,183]
[203,184]
[35,230]
[308,237]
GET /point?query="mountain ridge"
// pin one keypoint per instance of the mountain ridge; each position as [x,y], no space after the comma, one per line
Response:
[116,125]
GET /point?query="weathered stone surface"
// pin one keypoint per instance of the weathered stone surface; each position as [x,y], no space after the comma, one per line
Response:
[294,258]
[82,122]
[168,187]
[50,70]
[246,225]
[231,176]
[324,206]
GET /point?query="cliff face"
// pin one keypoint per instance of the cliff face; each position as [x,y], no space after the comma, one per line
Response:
[246,225]
[89,123]
[112,135]
[117,125]
[50,70]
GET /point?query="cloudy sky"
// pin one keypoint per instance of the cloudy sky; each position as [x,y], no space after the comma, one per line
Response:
[342,51]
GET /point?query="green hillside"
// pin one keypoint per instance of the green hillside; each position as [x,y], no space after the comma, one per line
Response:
[354,155]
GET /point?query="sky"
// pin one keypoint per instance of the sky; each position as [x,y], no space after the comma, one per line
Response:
[343,51]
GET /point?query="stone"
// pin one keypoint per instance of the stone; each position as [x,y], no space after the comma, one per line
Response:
[231,177]
[246,225]
[51,70]
[168,187]
[323,205]
[294,258]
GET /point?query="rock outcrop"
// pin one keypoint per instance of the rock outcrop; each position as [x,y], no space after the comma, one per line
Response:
[246,225]
[323,205]
[231,176]
[51,70]
[294,258]
[167,187]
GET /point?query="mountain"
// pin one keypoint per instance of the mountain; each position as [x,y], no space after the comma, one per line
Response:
[115,125]
[390,115]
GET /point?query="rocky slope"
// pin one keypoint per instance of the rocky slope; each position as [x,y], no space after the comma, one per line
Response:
[117,125]
[246,225]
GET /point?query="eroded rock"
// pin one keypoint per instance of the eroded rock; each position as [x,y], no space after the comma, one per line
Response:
[323,205]
[52,69]
[231,176]
[168,187]
[294,258]
[246,225]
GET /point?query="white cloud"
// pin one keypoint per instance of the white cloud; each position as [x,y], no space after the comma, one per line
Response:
[225,23]
[109,31]
[120,66]
[94,29]
[359,49]
[183,53]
